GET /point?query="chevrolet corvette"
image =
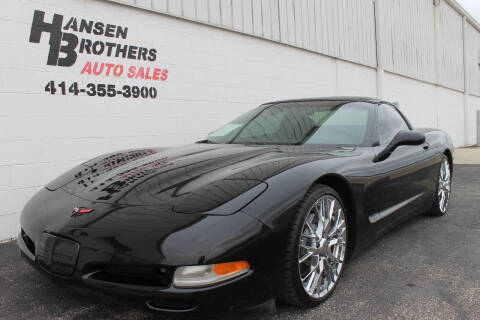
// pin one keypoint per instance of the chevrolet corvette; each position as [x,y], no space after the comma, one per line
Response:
[270,205]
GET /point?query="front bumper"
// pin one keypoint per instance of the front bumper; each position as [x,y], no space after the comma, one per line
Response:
[158,295]
[133,251]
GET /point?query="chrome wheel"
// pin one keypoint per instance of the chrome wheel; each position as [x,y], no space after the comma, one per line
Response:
[444,186]
[322,247]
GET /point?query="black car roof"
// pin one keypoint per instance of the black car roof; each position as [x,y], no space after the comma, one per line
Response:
[352,99]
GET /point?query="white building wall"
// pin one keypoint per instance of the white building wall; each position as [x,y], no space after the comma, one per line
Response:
[417,98]
[450,113]
[473,107]
[355,80]
[428,105]
[214,75]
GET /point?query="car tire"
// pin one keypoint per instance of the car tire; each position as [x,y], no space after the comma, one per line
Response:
[442,190]
[329,259]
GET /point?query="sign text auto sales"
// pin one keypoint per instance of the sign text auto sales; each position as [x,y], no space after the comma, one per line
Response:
[66,46]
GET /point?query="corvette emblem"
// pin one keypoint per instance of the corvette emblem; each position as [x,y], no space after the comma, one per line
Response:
[79,211]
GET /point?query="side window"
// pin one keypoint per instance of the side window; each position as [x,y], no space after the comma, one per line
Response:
[390,122]
[347,125]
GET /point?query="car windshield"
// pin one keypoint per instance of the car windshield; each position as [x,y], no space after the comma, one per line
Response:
[341,123]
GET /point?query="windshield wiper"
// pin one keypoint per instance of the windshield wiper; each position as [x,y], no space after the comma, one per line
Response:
[308,135]
[206,141]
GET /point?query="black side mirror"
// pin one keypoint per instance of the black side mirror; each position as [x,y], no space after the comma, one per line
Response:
[402,138]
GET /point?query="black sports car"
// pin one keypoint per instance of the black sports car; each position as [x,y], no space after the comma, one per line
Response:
[268,206]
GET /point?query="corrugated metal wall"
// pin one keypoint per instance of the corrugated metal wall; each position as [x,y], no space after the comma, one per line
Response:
[340,28]
[473,60]
[345,29]
[406,29]
[449,47]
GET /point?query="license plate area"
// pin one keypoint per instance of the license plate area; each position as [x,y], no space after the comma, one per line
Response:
[57,255]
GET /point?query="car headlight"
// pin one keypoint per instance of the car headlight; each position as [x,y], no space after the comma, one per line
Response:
[201,276]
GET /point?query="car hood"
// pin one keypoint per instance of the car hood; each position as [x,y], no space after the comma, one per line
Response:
[189,179]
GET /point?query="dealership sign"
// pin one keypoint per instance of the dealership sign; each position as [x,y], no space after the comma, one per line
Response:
[72,37]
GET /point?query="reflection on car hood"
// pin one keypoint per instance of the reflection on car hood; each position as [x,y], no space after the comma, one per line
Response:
[192,178]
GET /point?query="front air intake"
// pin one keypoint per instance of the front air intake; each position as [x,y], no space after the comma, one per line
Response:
[28,242]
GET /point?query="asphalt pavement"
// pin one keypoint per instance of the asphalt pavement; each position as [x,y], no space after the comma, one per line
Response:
[427,268]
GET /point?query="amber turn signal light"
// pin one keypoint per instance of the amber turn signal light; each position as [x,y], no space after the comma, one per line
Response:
[222,269]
